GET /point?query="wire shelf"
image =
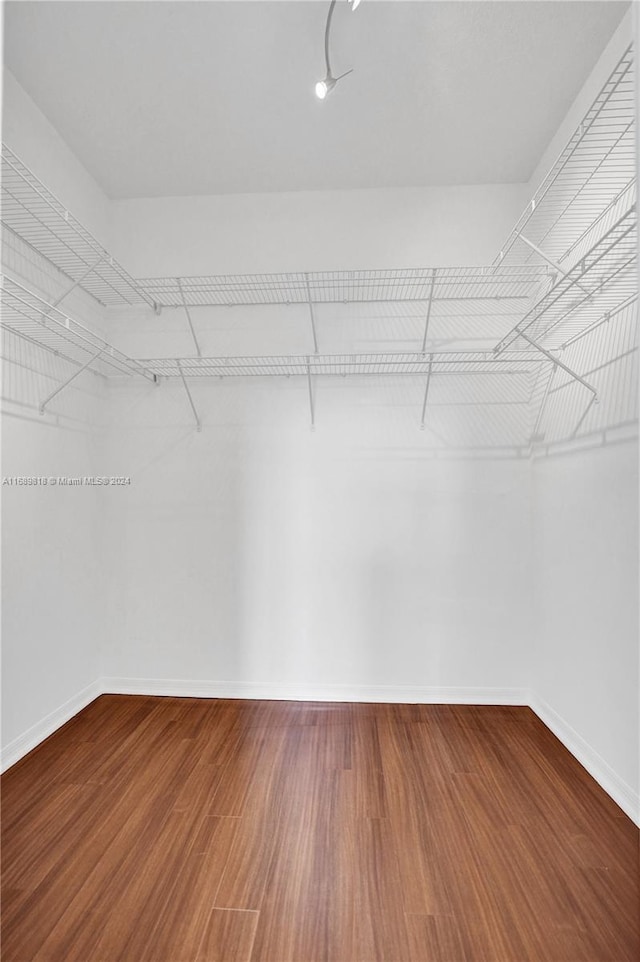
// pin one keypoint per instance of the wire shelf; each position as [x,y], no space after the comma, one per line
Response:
[596,169]
[565,278]
[326,287]
[603,281]
[342,365]
[33,319]
[35,215]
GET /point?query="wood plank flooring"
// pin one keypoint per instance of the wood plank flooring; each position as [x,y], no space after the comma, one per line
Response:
[194,830]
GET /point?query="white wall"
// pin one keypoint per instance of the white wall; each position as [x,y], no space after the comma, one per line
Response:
[53,611]
[53,616]
[258,557]
[338,562]
[585,559]
[594,83]
[585,659]
[53,620]
[37,144]
[309,231]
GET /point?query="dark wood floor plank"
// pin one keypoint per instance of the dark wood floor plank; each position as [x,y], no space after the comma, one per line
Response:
[245,876]
[177,932]
[250,763]
[195,830]
[32,850]
[367,767]
[437,938]
[83,932]
[76,884]
[228,937]
[308,907]
[379,934]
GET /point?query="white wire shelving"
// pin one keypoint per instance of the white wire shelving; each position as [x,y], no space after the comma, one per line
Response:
[598,286]
[348,287]
[39,219]
[349,365]
[435,289]
[33,319]
[591,184]
[425,366]
[567,269]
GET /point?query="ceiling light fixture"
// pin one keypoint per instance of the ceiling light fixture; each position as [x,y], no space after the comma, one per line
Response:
[324,87]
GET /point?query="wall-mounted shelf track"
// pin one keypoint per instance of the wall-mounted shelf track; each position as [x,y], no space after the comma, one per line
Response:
[38,218]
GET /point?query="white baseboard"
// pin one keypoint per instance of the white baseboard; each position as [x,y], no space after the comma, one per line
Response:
[622,793]
[30,739]
[399,694]
[619,790]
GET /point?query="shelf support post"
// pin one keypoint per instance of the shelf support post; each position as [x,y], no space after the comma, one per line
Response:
[557,362]
[186,387]
[311,404]
[426,320]
[62,386]
[426,393]
[311,315]
[186,310]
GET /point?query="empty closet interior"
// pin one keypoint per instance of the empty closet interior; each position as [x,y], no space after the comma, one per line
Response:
[373,444]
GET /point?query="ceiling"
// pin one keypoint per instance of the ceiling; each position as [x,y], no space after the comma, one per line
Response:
[188,98]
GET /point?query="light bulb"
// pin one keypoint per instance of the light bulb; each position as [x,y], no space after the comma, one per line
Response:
[323,87]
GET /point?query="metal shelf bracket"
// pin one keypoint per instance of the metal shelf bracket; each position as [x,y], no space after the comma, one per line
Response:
[311,315]
[429,303]
[186,310]
[193,407]
[557,362]
[426,394]
[552,263]
[311,399]
[66,383]
[69,290]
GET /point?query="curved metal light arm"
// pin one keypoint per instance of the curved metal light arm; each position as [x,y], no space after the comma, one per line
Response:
[327,31]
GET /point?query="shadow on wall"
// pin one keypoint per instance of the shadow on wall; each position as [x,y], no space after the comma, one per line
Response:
[570,417]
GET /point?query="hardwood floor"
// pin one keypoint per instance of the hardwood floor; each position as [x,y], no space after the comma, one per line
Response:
[176,830]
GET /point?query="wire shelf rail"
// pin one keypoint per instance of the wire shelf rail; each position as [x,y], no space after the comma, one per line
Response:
[44,325]
[594,171]
[565,279]
[596,287]
[343,365]
[325,287]
[35,215]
